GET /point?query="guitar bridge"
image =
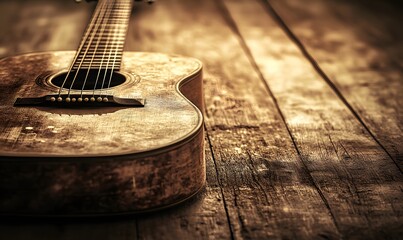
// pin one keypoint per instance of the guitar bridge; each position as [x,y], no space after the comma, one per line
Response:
[79,100]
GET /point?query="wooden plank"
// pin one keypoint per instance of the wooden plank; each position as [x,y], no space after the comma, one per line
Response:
[41,25]
[65,230]
[359,181]
[194,219]
[266,189]
[358,47]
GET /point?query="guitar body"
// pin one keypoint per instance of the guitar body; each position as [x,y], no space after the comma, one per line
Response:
[103,160]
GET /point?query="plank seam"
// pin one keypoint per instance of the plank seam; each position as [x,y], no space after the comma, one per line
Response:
[273,13]
[219,183]
[232,25]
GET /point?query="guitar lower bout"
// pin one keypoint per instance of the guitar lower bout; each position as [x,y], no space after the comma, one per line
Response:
[103,160]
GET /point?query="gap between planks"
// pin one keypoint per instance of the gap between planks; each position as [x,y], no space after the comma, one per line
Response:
[390,167]
[232,25]
[210,146]
[273,13]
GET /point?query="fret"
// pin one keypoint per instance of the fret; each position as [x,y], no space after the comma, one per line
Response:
[99,59]
[120,6]
[120,24]
[104,64]
[109,48]
[115,68]
[120,9]
[104,37]
[96,61]
[117,25]
[97,65]
[106,40]
[100,50]
[119,28]
[103,42]
[116,18]
[110,35]
[98,53]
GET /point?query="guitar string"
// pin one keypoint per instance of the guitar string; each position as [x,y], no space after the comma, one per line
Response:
[79,49]
[107,63]
[93,33]
[102,60]
[114,42]
[103,25]
[117,45]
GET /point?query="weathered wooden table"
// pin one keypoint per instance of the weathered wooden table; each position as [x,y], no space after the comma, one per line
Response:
[304,121]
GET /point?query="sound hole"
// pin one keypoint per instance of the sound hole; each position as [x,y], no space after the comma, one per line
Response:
[91,81]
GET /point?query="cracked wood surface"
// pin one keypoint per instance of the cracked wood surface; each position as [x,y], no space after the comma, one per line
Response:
[286,157]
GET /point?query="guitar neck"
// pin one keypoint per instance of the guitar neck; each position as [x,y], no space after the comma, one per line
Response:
[103,41]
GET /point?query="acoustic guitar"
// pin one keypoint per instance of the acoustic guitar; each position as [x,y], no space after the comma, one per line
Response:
[99,131]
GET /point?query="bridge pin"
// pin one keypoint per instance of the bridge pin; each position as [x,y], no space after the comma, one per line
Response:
[80,99]
[92,99]
[105,99]
[99,99]
[68,99]
[73,99]
[52,99]
[59,99]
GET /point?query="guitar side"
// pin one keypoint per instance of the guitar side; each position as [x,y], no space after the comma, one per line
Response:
[94,161]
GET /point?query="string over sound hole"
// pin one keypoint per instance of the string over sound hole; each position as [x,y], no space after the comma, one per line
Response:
[96,79]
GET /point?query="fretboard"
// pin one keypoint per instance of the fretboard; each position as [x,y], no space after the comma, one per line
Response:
[104,38]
